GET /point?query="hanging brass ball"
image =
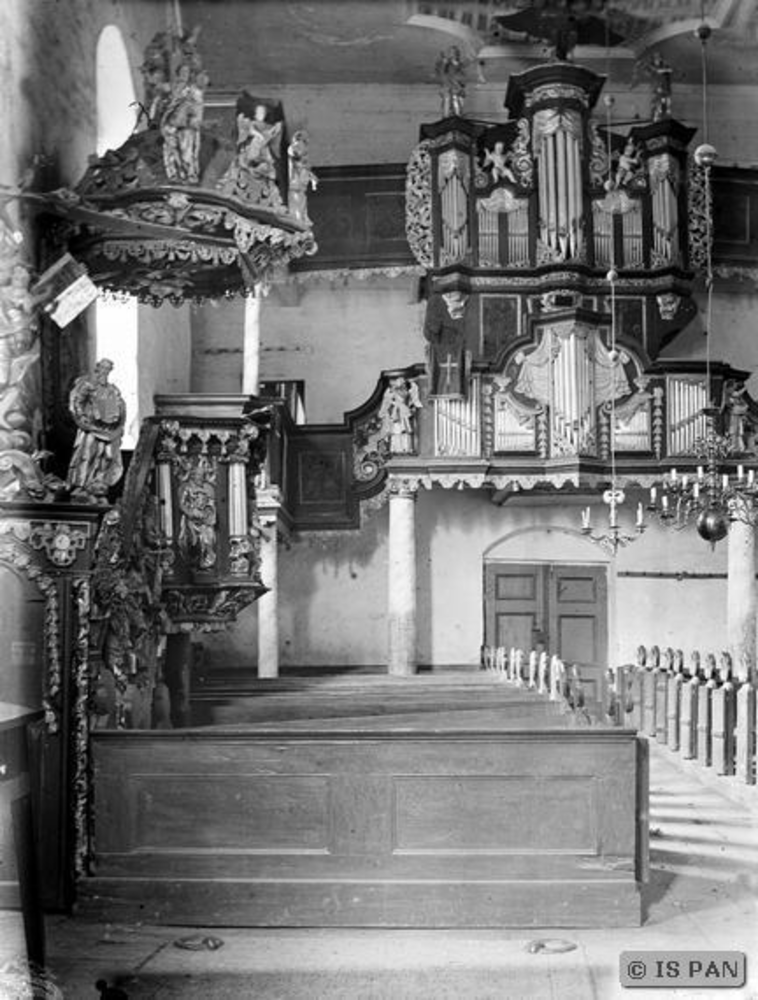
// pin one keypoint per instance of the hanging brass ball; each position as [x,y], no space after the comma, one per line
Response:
[609,100]
[705,155]
[703,32]
[612,275]
[712,525]
[613,355]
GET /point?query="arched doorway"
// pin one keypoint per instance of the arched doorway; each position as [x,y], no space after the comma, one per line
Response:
[549,589]
[559,607]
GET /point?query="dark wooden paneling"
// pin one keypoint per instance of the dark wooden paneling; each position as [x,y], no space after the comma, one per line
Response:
[358,216]
[735,215]
[366,828]
[320,469]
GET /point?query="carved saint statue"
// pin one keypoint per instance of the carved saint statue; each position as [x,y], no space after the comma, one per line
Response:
[180,125]
[301,177]
[197,504]
[99,413]
[397,413]
[658,70]
[450,71]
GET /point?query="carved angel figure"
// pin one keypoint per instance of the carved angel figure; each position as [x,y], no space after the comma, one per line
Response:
[252,175]
[301,177]
[99,413]
[450,71]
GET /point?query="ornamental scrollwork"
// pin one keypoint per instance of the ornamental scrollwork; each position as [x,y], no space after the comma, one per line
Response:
[599,162]
[19,557]
[700,214]
[521,155]
[61,542]
[556,92]
[80,671]
[418,205]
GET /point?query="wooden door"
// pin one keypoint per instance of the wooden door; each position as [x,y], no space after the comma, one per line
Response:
[578,623]
[514,601]
[559,607]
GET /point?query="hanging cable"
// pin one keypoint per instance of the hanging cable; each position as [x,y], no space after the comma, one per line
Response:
[705,155]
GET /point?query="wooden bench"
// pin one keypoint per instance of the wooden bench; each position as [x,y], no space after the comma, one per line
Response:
[399,826]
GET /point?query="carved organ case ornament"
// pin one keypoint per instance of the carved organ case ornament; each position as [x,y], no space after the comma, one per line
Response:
[558,392]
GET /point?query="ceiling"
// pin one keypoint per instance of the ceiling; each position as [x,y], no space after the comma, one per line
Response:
[277,42]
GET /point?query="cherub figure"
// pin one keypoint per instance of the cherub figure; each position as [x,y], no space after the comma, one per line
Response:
[629,163]
[495,161]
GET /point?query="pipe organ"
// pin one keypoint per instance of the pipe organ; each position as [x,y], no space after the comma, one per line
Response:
[685,399]
[544,227]
[457,424]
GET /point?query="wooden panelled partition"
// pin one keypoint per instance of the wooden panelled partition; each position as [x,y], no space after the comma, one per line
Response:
[400,828]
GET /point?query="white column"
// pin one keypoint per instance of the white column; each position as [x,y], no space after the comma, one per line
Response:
[741,595]
[251,343]
[401,603]
[268,604]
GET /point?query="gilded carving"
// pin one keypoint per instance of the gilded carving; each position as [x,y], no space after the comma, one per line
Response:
[521,154]
[700,215]
[668,304]
[61,542]
[556,92]
[80,676]
[599,165]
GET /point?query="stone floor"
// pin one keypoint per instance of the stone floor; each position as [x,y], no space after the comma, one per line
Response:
[702,895]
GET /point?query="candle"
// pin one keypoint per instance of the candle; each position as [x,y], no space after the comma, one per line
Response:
[639,515]
[750,476]
[685,480]
[725,482]
[665,502]
[653,494]
[673,475]
[700,473]
[740,473]
[696,491]
[586,517]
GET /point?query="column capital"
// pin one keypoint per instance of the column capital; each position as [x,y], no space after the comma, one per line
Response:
[401,486]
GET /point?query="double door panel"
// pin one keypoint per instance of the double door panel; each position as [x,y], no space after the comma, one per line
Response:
[561,608]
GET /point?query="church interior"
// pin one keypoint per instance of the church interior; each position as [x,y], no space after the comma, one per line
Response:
[378,490]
